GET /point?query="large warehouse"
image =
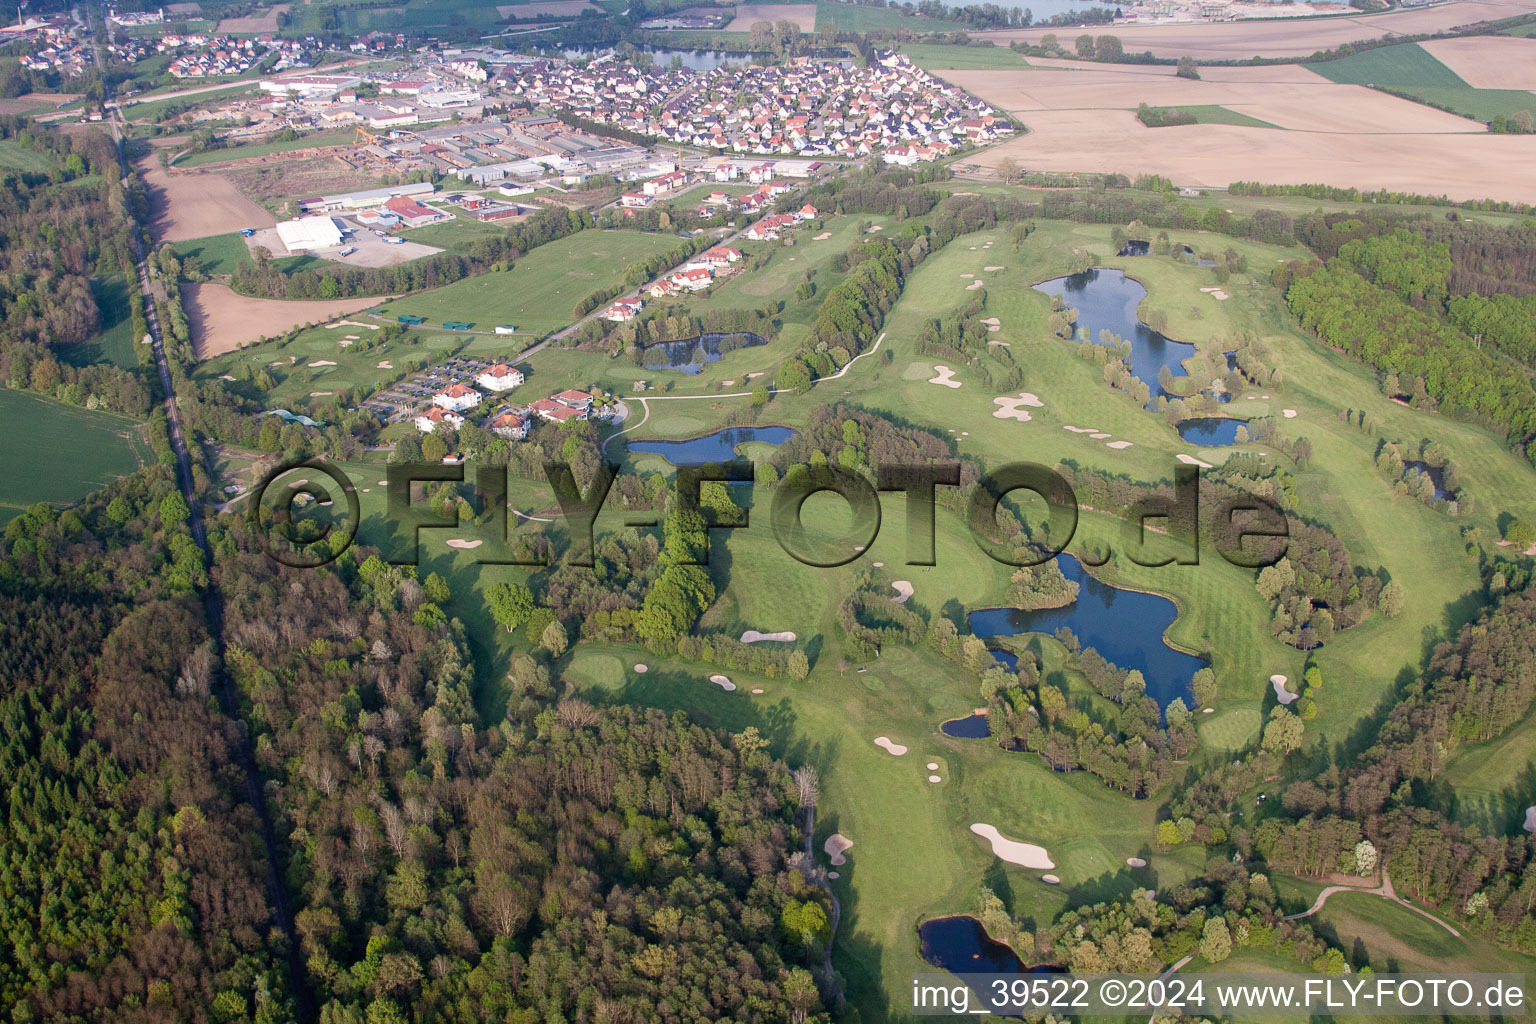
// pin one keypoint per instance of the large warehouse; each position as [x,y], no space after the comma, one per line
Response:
[309,233]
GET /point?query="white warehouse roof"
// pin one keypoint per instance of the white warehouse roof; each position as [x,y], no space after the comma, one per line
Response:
[308,233]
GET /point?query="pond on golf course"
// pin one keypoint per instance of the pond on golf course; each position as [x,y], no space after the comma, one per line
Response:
[719,446]
[1125,626]
[1211,431]
[1106,300]
[690,355]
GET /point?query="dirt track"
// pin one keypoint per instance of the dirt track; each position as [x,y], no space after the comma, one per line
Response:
[190,205]
[222,320]
[1288,37]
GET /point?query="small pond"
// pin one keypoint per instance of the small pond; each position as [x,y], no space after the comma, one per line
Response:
[1106,300]
[971,727]
[691,355]
[1125,626]
[1436,476]
[717,447]
[1211,431]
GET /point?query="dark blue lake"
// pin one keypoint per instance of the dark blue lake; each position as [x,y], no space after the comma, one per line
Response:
[1106,300]
[1125,626]
[717,447]
[690,355]
[960,944]
[971,727]
[1213,431]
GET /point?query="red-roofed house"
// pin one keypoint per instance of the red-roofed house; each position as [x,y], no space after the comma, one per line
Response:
[578,400]
[510,425]
[549,409]
[623,310]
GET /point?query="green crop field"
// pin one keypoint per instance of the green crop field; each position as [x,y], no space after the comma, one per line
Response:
[59,453]
[115,342]
[933,55]
[861,18]
[1211,113]
[1405,66]
[1412,71]
[216,254]
[539,293]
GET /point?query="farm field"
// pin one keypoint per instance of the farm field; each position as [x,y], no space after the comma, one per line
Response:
[1413,69]
[1347,134]
[310,140]
[1288,37]
[187,206]
[1212,114]
[539,293]
[803,15]
[862,18]
[14,156]
[223,320]
[931,55]
[59,453]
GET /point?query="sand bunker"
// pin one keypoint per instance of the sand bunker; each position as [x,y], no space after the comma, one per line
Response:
[879,565]
[945,376]
[903,591]
[932,766]
[934,778]
[1190,460]
[641,669]
[991,321]
[833,874]
[1050,879]
[1283,695]
[752,636]
[460,542]
[723,682]
[386,365]
[299,483]
[225,376]
[1011,408]
[1530,819]
[992,328]
[1082,430]
[758,690]
[320,394]
[991,268]
[1002,343]
[895,749]
[1026,855]
[836,845]
[1100,437]
[1289,414]
[821,237]
[973,286]
[968,276]
[1136,862]
[1117,445]
[322,362]
[383,483]
[877,227]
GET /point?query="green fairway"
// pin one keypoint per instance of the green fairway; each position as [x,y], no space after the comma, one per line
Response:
[114,343]
[1210,113]
[59,453]
[539,293]
[930,56]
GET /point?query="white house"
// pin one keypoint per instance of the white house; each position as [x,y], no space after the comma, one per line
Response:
[500,377]
[623,310]
[457,397]
[429,420]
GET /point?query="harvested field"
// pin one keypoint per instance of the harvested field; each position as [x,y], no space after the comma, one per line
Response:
[222,320]
[1288,97]
[266,23]
[803,15]
[1488,62]
[1084,120]
[545,9]
[188,206]
[281,176]
[26,103]
[1294,37]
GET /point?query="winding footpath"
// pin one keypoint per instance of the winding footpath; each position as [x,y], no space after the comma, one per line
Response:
[213,607]
[1383,890]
